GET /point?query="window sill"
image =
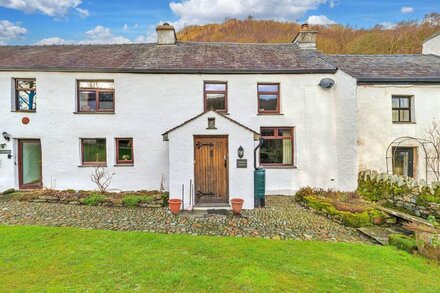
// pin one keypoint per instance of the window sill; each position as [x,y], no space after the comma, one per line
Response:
[278,167]
[270,114]
[92,166]
[124,165]
[397,122]
[100,113]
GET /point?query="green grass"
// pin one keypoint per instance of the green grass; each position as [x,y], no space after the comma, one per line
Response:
[69,259]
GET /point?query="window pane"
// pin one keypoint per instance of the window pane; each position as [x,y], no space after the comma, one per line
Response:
[404,115]
[267,132]
[404,102]
[87,101]
[125,150]
[94,150]
[395,115]
[218,87]
[26,84]
[268,88]
[268,102]
[105,101]
[285,132]
[395,102]
[276,151]
[215,101]
[97,84]
[26,100]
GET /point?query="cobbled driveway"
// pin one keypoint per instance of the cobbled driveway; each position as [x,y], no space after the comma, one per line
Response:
[281,219]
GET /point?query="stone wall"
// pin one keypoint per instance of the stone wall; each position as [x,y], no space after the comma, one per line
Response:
[403,193]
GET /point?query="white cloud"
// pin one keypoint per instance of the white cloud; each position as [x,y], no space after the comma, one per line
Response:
[320,19]
[10,31]
[53,41]
[125,27]
[83,13]
[407,9]
[209,11]
[56,8]
[97,35]
[387,25]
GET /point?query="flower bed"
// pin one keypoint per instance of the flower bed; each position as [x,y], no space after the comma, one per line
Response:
[150,199]
[344,207]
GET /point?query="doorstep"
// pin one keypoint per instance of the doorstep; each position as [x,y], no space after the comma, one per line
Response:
[213,206]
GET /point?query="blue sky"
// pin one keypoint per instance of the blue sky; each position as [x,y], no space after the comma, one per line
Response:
[116,21]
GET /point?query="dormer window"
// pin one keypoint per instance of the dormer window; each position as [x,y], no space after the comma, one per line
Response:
[25,95]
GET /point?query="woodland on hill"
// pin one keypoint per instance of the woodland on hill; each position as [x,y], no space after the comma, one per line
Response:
[401,38]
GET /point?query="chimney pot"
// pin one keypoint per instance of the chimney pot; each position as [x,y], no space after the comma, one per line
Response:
[304,26]
[166,35]
[306,38]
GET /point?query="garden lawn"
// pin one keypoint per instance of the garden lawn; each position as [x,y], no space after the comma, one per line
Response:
[62,259]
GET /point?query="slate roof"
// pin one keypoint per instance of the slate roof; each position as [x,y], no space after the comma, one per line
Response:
[180,58]
[203,113]
[389,68]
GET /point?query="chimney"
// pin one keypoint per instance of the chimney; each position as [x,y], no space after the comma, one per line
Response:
[166,35]
[306,38]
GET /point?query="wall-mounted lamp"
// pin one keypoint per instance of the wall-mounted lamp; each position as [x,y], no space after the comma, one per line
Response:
[240,152]
[6,136]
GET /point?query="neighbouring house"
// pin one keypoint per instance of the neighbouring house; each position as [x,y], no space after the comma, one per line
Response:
[174,113]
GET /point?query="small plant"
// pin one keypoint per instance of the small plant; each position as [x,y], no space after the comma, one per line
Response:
[8,191]
[133,200]
[93,200]
[69,191]
[101,178]
[403,242]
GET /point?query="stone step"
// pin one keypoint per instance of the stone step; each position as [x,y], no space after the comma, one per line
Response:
[379,234]
[405,216]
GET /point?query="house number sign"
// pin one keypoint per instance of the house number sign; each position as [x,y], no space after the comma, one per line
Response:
[5,152]
[241,163]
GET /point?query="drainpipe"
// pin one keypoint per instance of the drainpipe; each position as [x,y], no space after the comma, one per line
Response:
[255,153]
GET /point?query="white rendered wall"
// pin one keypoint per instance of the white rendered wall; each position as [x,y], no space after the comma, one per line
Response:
[149,104]
[376,129]
[432,46]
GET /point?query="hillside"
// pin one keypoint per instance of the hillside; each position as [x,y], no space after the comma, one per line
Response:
[404,38]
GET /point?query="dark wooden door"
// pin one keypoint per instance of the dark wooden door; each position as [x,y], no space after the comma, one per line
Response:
[29,163]
[211,169]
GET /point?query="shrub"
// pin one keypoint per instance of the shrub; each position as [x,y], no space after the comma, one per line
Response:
[9,191]
[133,200]
[69,191]
[93,200]
[403,242]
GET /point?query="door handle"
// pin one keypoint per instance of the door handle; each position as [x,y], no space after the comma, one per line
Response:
[226,162]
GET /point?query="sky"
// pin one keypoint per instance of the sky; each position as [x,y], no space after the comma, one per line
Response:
[47,22]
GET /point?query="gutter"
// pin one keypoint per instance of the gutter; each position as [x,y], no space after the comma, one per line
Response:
[422,80]
[168,71]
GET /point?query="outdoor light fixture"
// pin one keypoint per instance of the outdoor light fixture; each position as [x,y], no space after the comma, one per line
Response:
[6,136]
[240,152]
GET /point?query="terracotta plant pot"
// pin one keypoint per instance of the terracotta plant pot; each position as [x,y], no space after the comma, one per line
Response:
[174,205]
[237,205]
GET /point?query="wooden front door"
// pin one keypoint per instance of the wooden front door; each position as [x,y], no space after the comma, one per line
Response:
[211,169]
[29,163]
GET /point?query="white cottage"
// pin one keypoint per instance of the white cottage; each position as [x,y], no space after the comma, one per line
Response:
[175,113]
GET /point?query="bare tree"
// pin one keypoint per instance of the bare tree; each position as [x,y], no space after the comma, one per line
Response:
[101,178]
[433,149]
